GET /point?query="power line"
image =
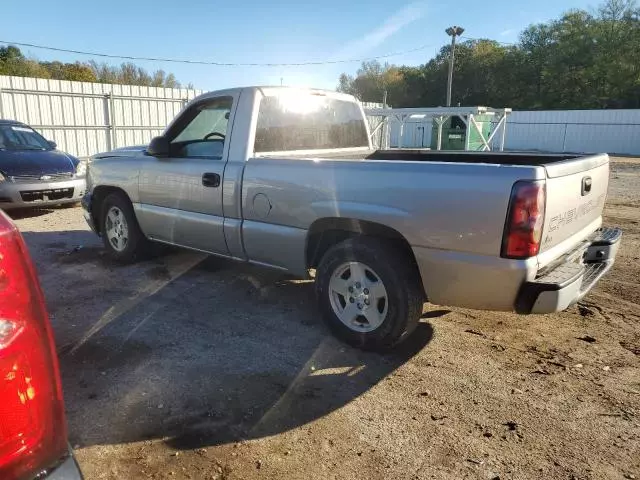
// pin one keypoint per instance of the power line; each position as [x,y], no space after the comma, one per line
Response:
[204,62]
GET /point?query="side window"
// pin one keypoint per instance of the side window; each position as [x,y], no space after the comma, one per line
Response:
[202,130]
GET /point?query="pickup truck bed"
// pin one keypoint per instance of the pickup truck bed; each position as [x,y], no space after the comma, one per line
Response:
[491,158]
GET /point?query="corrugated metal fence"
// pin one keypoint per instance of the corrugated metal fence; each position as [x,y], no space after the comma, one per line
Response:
[612,131]
[85,118]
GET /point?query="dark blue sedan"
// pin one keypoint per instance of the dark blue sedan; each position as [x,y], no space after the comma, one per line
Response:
[33,173]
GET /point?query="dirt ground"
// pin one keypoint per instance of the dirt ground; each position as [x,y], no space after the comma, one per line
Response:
[193,367]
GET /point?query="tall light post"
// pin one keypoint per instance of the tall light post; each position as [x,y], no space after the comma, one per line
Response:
[453,32]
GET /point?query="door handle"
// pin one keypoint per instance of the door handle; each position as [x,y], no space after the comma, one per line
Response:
[211,180]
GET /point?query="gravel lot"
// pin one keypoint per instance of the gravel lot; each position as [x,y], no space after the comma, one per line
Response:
[193,367]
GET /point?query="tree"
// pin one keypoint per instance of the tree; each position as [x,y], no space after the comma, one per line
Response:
[580,60]
[371,81]
[130,74]
[13,62]
[78,72]
[10,53]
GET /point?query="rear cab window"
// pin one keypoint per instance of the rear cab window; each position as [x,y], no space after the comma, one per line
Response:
[307,120]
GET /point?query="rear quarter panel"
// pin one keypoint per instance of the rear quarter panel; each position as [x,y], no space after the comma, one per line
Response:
[435,206]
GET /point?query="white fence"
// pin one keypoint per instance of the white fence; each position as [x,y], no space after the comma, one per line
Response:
[580,131]
[612,131]
[85,118]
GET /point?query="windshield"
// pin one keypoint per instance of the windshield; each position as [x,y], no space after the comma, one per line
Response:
[308,121]
[20,137]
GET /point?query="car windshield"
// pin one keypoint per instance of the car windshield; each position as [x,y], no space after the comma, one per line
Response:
[21,137]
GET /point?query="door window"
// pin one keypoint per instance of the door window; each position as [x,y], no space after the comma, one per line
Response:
[202,130]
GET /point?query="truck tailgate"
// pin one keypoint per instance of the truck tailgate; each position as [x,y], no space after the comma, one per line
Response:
[576,191]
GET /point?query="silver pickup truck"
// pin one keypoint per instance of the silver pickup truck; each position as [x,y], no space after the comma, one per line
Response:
[287,178]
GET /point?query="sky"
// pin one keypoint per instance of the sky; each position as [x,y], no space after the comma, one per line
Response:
[258,31]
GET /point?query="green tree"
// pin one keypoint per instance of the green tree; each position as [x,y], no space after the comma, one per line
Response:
[130,74]
[78,72]
[13,62]
[371,81]
[580,60]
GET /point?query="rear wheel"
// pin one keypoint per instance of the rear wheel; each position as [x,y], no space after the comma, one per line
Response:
[121,233]
[369,293]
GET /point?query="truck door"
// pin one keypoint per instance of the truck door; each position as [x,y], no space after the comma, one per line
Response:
[181,195]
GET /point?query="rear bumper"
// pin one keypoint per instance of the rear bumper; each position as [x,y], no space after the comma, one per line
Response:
[41,194]
[567,283]
[482,282]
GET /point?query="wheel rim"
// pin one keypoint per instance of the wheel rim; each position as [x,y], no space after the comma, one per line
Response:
[116,229]
[358,296]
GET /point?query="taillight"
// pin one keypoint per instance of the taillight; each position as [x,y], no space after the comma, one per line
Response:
[525,218]
[33,432]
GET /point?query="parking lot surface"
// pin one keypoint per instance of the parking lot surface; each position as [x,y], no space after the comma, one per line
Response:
[186,366]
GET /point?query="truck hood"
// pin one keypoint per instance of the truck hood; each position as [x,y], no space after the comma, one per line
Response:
[133,151]
[36,162]
[134,148]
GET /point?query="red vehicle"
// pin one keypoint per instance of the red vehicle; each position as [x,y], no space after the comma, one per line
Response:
[33,430]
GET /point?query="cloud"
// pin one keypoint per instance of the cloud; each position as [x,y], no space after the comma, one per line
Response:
[403,17]
[507,32]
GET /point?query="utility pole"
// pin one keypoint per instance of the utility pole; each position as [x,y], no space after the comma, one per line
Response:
[453,32]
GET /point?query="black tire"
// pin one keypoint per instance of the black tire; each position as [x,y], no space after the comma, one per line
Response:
[137,245]
[401,280]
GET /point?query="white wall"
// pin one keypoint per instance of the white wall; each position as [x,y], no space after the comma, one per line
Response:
[85,118]
[611,131]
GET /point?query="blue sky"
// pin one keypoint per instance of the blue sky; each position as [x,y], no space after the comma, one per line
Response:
[274,31]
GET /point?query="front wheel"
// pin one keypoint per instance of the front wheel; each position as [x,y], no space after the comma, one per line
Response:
[369,293]
[121,233]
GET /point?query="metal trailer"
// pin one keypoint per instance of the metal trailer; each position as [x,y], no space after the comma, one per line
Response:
[381,117]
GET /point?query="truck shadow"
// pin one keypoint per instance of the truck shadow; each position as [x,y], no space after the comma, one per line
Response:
[194,350]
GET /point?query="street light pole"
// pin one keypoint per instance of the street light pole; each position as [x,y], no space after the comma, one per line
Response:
[453,32]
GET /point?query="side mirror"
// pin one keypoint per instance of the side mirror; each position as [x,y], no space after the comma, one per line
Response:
[52,144]
[158,147]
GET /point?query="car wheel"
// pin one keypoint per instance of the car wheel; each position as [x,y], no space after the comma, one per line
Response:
[369,293]
[121,233]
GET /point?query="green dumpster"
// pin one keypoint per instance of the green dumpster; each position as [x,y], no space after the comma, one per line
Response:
[454,133]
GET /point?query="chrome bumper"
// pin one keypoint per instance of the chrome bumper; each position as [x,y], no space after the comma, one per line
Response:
[40,194]
[569,282]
